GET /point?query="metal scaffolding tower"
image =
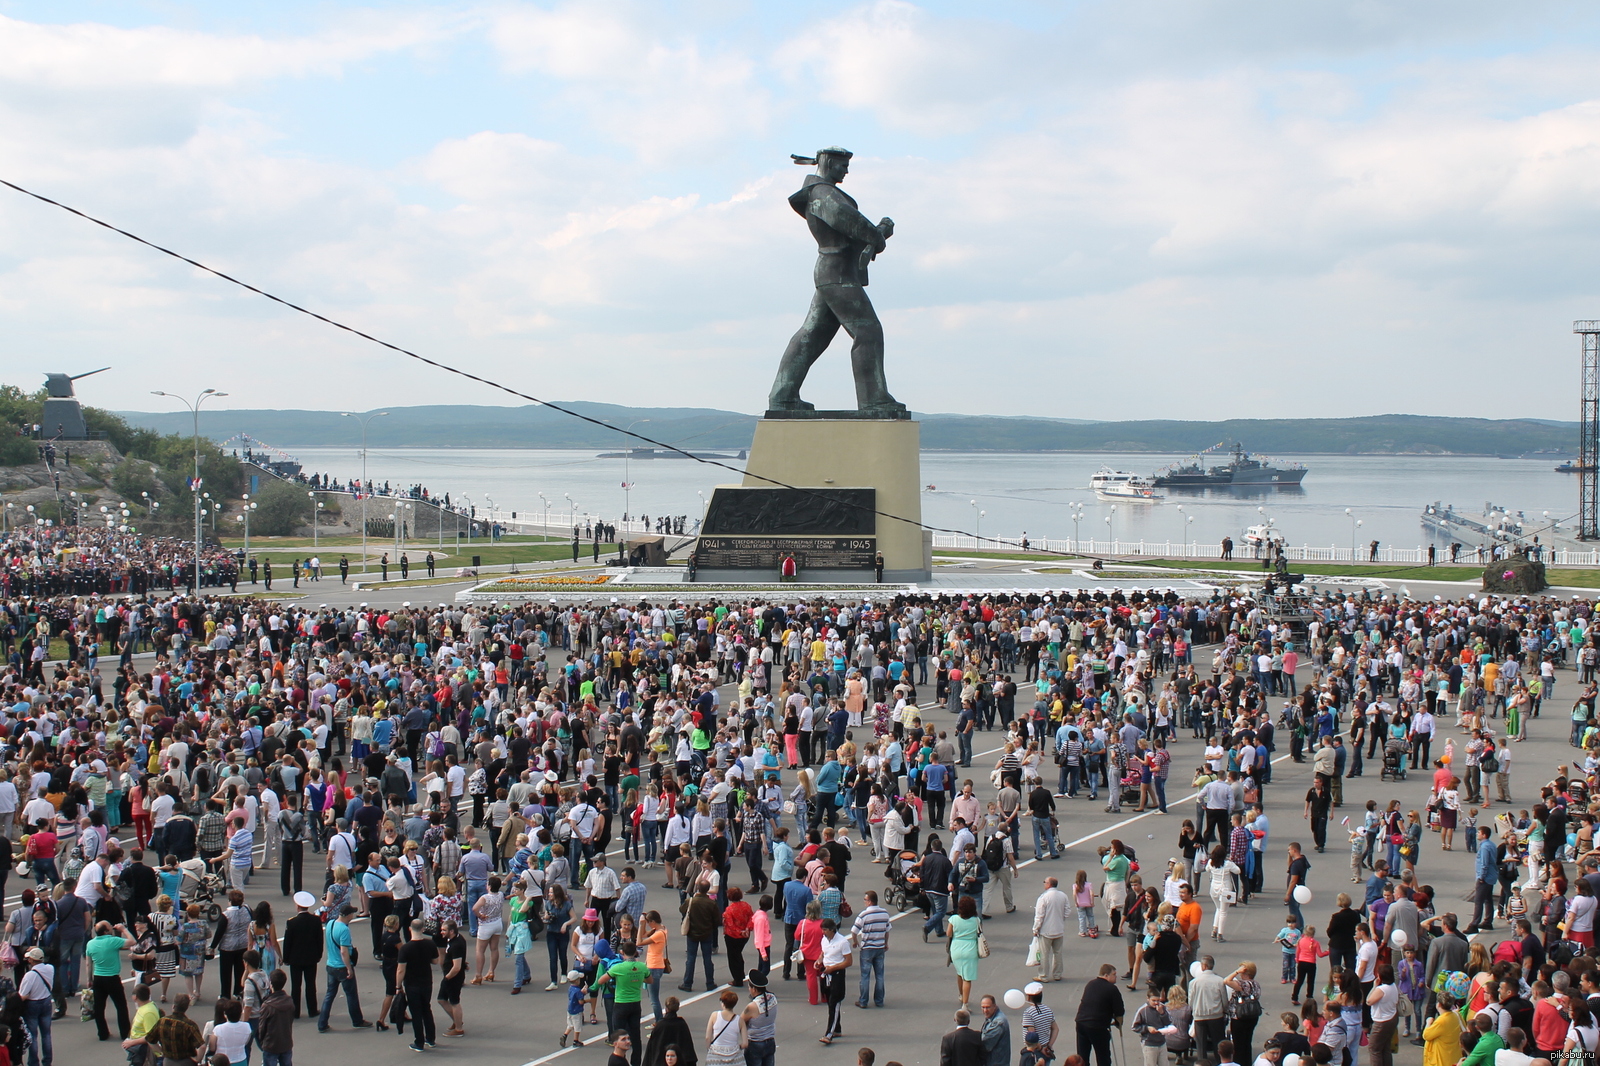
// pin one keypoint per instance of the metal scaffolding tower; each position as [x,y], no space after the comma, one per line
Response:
[1589,432]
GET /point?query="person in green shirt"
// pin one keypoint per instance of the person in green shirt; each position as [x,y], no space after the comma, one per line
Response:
[628,977]
[104,951]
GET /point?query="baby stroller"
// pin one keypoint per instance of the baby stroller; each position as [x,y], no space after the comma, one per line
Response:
[905,887]
[1396,750]
[200,885]
[1129,787]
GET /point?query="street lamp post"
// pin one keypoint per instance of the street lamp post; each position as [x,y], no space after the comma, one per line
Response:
[366,490]
[195,486]
[1355,524]
[249,506]
[544,534]
[1109,527]
[1180,525]
[1075,511]
[574,505]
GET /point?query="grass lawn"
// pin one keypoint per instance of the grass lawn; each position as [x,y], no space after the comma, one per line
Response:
[505,551]
[377,545]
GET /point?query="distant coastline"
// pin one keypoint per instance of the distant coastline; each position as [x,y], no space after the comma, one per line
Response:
[710,429]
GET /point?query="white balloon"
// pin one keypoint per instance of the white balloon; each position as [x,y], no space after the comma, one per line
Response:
[1291,1060]
[1194,968]
[1398,938]
[1302,895]
[1015,999]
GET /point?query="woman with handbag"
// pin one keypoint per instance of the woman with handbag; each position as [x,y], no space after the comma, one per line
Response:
[965,946]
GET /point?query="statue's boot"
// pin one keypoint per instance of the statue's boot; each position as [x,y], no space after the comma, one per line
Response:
[788,401]
[885,406]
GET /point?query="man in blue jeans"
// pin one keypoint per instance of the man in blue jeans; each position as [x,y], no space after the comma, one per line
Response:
[1042,809]
[935,780]
[701,924]
[871,932]
[341,971]
[935,871]
[476,866]
[73,914]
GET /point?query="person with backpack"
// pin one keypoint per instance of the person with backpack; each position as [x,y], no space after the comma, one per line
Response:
[1001,859]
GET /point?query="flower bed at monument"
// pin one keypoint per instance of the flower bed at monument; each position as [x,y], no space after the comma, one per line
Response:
[524,584]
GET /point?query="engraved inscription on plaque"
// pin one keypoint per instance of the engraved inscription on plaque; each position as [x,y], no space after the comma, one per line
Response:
[819,512]
[766,553]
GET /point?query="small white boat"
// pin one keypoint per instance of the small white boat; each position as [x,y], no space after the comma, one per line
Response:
[1261,535]
[1120,485]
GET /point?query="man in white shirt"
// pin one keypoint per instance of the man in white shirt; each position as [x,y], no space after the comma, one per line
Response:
[585,822]
[835,961]
[269,805]
[603,888]
[9,801]
[92,881]
[39,810]
[1050,926]
[1366,955]
[160,813]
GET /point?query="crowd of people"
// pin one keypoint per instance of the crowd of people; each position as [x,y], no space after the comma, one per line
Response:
[463,779]
[55,561]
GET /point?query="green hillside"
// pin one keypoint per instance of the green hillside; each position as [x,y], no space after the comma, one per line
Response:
[708,428]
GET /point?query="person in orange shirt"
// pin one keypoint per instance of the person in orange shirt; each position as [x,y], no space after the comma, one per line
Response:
[1190,916]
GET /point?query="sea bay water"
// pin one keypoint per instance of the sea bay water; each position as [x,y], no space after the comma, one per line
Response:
[1006,494]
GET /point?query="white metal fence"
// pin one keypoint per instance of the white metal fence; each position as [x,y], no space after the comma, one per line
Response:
[1308,553]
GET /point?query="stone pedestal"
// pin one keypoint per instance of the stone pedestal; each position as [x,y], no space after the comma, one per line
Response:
[851,468]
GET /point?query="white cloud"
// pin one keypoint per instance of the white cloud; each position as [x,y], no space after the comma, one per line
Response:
[95,56]
[637,75]
[1257,205]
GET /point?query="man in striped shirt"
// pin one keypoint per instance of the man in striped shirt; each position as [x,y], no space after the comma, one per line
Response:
[871,935]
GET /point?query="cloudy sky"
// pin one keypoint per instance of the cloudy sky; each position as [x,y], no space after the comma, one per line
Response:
[1146,208]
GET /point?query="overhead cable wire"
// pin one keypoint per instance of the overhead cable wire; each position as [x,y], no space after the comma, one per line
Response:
[447,368]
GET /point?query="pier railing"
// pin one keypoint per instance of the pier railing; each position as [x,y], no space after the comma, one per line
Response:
[1305,553]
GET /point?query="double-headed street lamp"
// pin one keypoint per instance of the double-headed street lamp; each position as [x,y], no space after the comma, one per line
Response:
[195,482]
[1355,524]
[244,516]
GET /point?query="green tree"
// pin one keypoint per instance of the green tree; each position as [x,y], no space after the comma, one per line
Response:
[132,477]
[281,509]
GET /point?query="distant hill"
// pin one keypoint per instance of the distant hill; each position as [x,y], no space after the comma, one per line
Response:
[700,428]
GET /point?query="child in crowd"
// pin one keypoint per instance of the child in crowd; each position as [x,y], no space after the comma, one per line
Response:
[1306,953]
[1288,937]
[577,997]
[1408,977]
[1358,851]
[1083,899]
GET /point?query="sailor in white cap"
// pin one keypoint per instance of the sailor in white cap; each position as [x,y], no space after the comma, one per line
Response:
[302,951]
